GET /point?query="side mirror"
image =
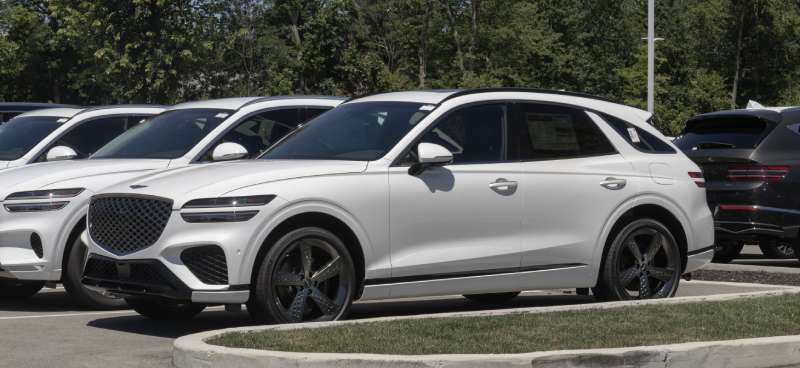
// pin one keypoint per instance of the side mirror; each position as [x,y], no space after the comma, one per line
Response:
[61,153]
[228,151]
[430,154]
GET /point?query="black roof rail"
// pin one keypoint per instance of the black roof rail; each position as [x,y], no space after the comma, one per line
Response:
[522,89]
[289,97]
[104,107]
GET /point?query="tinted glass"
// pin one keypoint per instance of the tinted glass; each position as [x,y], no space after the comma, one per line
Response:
[638,137]
[472,134]
[86,138]
[166,136]
[722,133]
[256,133]
[362,131]
[544,132]
[19,135]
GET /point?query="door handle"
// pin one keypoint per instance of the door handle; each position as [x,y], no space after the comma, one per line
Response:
[503,185]
[613,183]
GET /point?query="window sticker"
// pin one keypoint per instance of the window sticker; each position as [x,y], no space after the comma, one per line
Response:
[552,132]
[427,107]
[62,120]
[221,115]
[634,135]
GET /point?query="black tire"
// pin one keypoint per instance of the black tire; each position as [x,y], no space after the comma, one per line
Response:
[80,295]
[644,251]
[307,275]
[160,311]
[19,289]
[726,250]
[493,298]
[778,249]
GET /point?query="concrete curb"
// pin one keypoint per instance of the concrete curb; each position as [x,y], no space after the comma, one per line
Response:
[192,351]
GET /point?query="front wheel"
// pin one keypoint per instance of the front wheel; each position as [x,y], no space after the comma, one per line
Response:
[642,262]
[778,249]
[19,289]
[307,275]
[76,260]
[165,311]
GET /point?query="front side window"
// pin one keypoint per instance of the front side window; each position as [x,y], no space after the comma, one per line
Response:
[363,131]
[168,135]
[548,132]
[257,132]
[20,134]
[472,134]
[86,138]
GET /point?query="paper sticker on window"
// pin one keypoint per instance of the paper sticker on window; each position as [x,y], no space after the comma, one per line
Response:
[427,107]
[634,135]
[62,120]
[221,115]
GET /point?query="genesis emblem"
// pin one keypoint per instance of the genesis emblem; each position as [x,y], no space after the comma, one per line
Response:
[136,186]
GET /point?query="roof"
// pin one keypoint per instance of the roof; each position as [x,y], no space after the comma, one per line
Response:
[239,102]
[27,106]
[62,112]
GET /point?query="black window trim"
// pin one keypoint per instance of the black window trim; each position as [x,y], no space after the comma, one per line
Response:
[43,153]
[653,152]
[398,161]
[198,159]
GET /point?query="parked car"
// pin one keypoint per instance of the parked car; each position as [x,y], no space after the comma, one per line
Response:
[65,133]
[45,205]
[749,159]
[477,192]
[9,110]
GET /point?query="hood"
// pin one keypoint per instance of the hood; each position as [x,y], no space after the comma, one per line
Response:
[90,174]
[4,164]
[214,180]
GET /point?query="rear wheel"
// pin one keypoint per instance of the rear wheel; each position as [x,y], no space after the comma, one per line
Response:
[307,275]
[778,249]
[726,250]
[76,260]
[19,289]
[494,298]
[163,310]
[642,262]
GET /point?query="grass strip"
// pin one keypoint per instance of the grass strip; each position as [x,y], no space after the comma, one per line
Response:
[521,332]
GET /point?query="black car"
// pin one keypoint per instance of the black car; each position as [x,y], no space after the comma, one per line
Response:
[9,110]
[751,164]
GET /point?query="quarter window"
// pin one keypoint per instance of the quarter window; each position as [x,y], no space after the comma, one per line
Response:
[473,134]
[638,137]
[547,132]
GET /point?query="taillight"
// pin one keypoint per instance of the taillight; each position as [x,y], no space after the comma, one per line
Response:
[698,179]
[767,173]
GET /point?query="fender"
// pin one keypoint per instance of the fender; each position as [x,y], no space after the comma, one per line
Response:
[291,209]
[646,198]
[60,246]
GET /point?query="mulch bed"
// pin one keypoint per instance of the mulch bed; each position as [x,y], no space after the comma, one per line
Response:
[772,278]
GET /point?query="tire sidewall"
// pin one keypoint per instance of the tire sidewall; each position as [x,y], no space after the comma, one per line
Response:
[610,262]
[73,273]
[262,295]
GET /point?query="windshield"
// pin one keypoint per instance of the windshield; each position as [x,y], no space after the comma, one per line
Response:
[362,131]
[723,133]
[20,134]
[165,136]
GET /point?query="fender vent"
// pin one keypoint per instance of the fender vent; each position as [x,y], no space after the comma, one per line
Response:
[207,263]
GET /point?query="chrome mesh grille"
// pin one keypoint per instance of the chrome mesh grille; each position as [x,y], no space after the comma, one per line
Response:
[123,225]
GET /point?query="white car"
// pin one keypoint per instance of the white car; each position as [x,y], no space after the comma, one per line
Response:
[478,192]
[65,133]
[44,205]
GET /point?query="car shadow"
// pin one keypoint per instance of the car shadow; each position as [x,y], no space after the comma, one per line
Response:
[48,300]
[219,319]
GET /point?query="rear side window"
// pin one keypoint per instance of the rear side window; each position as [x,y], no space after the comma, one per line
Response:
[638,137]
[723,133]
[547,132]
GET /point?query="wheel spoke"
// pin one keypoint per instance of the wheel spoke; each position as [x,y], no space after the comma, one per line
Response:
[634,248]
[655,245]
[628,275]
[325,304]
[283,278]
[644,286]
[306,259]
[663,274]
[328,271]
[298,307]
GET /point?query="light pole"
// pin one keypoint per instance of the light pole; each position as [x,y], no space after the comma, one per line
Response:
[651,54]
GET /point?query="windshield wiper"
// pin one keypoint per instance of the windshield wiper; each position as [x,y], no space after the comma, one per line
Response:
[713,145]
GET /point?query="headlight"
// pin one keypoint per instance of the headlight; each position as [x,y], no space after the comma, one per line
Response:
[224,202]
[45,194]
[219,202]
[50,194]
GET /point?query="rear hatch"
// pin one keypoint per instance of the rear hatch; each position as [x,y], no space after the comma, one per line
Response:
[723,145]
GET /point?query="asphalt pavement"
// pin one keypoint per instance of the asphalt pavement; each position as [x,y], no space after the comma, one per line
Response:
[47,331]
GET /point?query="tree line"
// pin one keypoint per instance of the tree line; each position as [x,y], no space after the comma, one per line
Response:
[716,54]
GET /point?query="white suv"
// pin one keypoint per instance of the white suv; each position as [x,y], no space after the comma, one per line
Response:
[478,192]
[44,206]
[65,133]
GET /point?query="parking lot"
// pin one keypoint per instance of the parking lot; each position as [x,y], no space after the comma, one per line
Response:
[46,331]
